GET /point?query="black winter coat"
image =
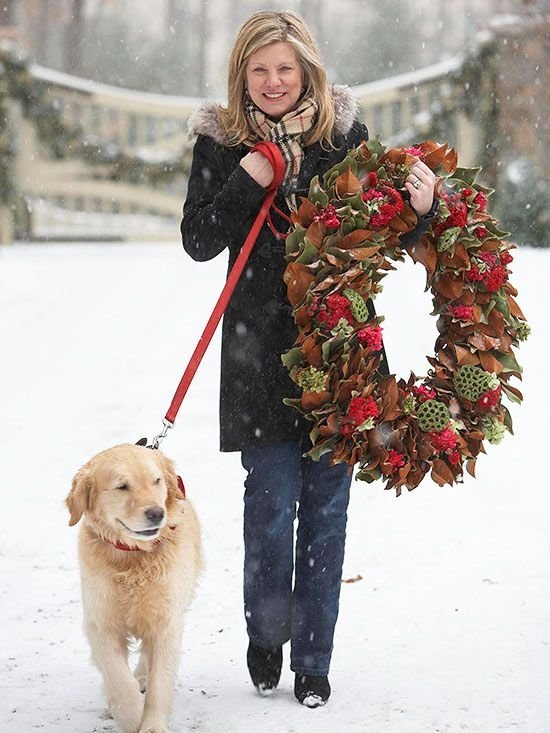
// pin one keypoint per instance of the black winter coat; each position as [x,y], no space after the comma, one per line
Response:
[221,205]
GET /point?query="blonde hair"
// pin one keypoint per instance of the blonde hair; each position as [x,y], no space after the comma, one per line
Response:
[259,30]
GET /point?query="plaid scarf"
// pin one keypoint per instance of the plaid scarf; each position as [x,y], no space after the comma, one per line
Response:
[287,134]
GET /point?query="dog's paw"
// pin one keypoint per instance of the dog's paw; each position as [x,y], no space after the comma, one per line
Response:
[152,724]
[128,715]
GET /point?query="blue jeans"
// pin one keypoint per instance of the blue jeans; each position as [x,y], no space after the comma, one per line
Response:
[279,479]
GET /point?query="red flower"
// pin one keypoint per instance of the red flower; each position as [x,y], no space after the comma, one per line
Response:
[473,274]
[494,278]
[388,204]
[454,458]
[481,232]
[371,336]
[444,440]
[481,200]
[506,257]
[329,216]
[360,409]
[466,192]
[337,306]
[489,258]
[424,393]
[396,459]
[489,400]
[372,179]
[414,151]
[462,312]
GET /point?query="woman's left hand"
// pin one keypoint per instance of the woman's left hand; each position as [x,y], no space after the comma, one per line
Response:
[420,184]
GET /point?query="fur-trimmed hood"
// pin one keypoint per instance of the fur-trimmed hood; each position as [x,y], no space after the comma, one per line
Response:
[205,120]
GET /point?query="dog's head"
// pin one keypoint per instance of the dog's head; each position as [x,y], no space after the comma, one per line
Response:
[125,492]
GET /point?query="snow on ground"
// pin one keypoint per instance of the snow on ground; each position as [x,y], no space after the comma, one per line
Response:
[447,631]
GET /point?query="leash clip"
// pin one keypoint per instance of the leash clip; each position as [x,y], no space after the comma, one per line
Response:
[160,437]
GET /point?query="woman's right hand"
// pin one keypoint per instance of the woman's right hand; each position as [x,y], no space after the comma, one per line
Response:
[259,167]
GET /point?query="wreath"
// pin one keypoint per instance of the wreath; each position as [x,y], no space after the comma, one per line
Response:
[345,236]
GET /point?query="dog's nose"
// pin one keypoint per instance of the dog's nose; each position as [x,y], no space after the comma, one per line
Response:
[154,514]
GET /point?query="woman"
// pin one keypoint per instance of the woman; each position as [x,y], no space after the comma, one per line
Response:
[277,90]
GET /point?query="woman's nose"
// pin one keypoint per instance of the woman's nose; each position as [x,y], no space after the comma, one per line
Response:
[273,78]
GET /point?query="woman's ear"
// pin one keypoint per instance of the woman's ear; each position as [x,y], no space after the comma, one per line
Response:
[78,498]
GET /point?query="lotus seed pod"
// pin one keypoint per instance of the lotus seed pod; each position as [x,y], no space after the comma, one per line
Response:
[357,305]
[471,382]
[433,415]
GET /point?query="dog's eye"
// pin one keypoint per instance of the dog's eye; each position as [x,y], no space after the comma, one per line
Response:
[157,481]
[123,487]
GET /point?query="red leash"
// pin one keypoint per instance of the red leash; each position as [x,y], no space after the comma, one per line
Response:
[273,154]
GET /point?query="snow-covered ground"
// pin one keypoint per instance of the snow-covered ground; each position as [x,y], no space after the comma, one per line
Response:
[449,628]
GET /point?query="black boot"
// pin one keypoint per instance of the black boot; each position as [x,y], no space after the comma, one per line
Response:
[311,691]
[264,666]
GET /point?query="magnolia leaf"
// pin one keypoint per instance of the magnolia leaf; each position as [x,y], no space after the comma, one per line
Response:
[316,194]
[316,233]
[441,472]
[305,213]
[292,358]
[423,251]
[294,239]
[357,236]
[512,393]
[297,279]
[489,363]
[471,466]
[467,176]
[308,254]
[347,184]
[509,362]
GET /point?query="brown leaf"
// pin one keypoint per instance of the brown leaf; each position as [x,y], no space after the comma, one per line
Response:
[489,363]
[424,251]
[465,356]
[515,310]
[312,400]
[355,579]
[363,253]
[441,472]
[347,184]
[297,278]
[449,285]
[304,214]
[316,233]
[482,342]
[356,237]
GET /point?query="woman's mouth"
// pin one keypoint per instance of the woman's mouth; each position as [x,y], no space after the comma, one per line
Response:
[274,96]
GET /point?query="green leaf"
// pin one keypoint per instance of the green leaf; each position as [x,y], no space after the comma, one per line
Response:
[319,450]
[294,240]
[511,396]
[292,357]
[316,194]
[309,253]
[465,175]
[508,361]
[508,418]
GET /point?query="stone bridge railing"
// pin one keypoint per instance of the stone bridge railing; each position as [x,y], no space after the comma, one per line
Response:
[70,197]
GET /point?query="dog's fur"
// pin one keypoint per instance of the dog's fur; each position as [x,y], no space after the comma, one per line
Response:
[140,594]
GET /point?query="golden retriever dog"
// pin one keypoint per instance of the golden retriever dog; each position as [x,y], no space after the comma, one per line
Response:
[140,555]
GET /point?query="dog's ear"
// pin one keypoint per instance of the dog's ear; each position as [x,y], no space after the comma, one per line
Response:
[78,498]
[170,477]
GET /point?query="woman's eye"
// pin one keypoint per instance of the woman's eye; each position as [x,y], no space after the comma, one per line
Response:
[123,487]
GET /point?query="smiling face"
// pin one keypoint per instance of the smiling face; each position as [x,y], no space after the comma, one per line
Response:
[274,79]
[126,491]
